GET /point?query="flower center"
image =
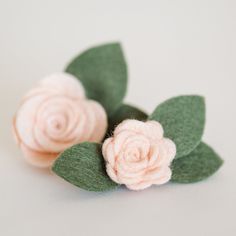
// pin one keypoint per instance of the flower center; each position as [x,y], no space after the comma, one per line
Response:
[57,123]
[133,155]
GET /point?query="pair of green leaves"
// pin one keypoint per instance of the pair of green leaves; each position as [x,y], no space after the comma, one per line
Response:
[183,120]
[103,72]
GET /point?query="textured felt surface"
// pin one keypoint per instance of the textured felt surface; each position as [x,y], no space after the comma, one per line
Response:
[55,115]
[122,113]
[137,155]
[183,120]
[103,72]
[83,165]
[196,166]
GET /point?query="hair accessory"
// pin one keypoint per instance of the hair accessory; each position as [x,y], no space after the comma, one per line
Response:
[76,123]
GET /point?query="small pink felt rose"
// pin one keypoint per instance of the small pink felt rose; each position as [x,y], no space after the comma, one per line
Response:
[138,155]
[54,116]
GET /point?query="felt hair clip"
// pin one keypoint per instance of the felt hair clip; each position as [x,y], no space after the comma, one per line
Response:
[75,122]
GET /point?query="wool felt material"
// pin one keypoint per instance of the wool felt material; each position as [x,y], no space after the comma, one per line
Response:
[124,112]
[138,155]
[103,72]
[183,120]
[54,116]
[196,166]
[83,166]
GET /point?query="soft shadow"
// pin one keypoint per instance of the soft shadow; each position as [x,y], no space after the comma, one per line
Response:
[69,192]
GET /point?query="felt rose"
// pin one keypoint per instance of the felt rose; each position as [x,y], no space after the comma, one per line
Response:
[138,155]
[54,116]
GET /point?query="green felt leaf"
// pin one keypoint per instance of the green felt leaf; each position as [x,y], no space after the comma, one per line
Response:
[183,120]
[83,165]
[196,166]
[125,112]
[103,72]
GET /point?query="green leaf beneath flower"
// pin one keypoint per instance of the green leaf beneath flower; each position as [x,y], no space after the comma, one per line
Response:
[183,120]
[103,72]
[196,166]
[125,112]
[83,166]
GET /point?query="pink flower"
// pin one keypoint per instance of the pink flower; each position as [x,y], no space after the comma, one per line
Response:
[54,116]
[138,155]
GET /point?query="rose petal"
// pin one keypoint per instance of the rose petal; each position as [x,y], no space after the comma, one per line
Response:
[139,186]
[126,180]
[160,159]
[163,179]
[38,159]
[108,151]
[171,149]
[85,131]
[25,121]
[39,129]
[140,143]
[135,171]
[134,166]
[101,121]
[151,129]
[63,83]
[127,138]
[157,173]
[58,109]
[112,173]
[153,155]
[120,139]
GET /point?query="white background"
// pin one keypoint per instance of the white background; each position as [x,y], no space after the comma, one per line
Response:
[173,47]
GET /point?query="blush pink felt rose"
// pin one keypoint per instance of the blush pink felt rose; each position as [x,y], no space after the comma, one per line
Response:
[138,155]
[54,116]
